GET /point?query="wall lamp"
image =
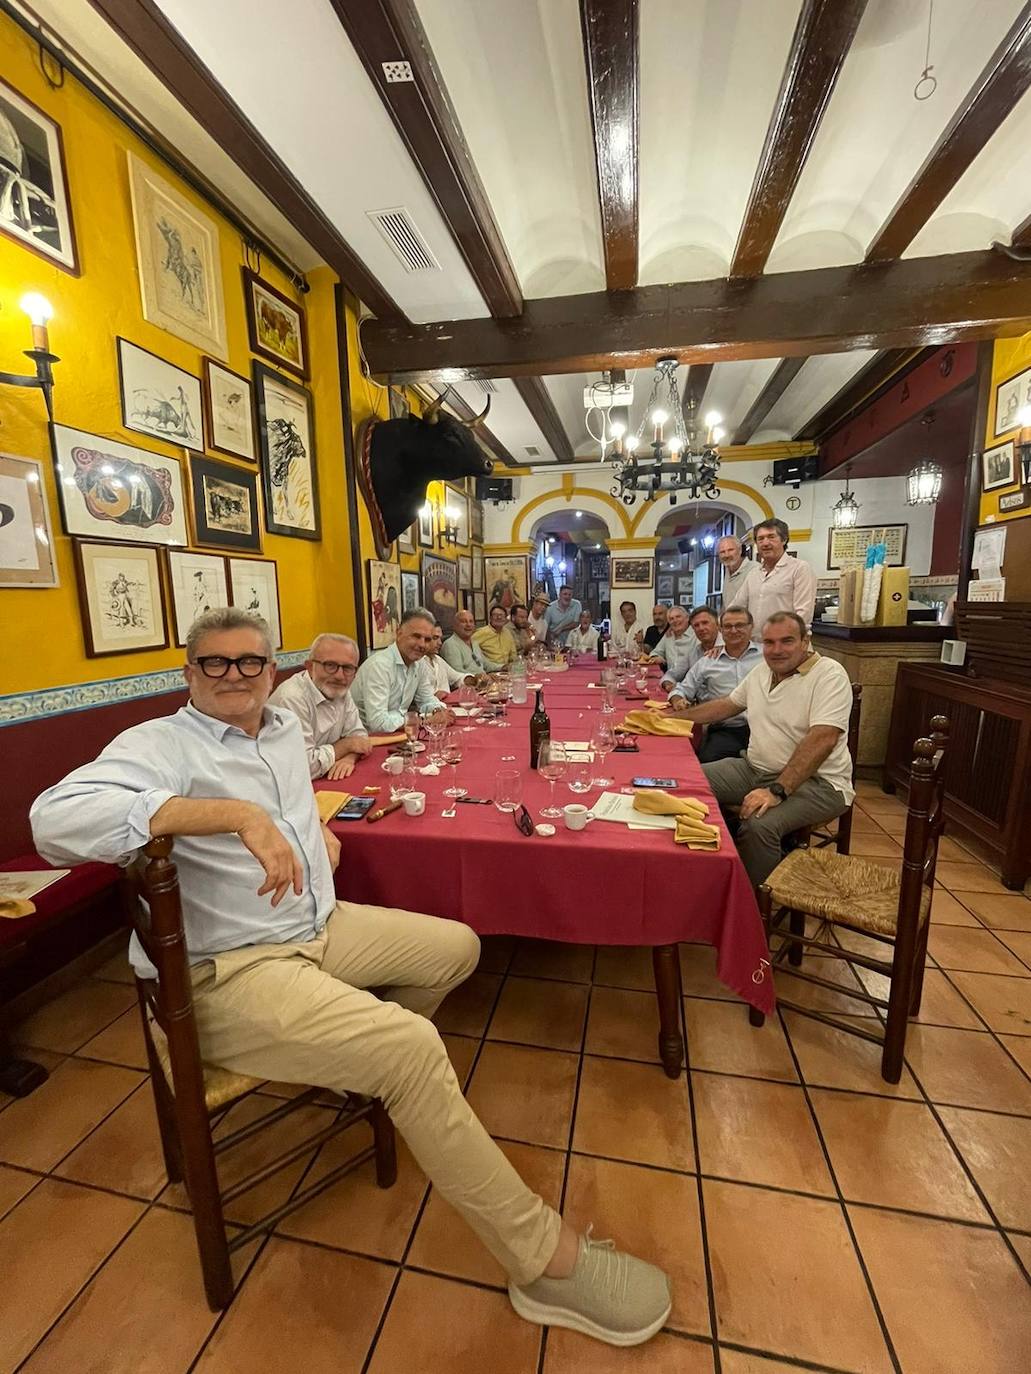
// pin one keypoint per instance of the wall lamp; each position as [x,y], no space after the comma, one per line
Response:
[39,311]
[1023,445]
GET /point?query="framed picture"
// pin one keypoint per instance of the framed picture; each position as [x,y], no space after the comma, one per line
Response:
[846,548]
[199,583]
[480,608]
[505,580]
[228,413]
[440,589]
[664,589]
[177,251]
[225,505]
[289,475]
[425,526]
[158,398]
[465,572]
[34,205]
[999,466]
[26,542]
[685,599]
[406,540]
[477,557]
[277,326]
[409,591]
[254,586]
[116,491]
[632,572]
[384,602]
[121,598]
[1010,398]
[476,521]
[457,504]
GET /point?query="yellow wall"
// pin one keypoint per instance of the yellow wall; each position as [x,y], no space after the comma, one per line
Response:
[1009,357]
[42,636]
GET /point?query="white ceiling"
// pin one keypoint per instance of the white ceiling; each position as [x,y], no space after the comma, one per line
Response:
[514,70]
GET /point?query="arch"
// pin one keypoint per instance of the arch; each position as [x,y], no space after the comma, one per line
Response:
[597,502]
[751,508]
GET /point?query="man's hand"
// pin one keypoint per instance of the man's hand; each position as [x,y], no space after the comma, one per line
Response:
[343,768]
[667,684]
[332,847]
[447,716]
[275,854]
[359,745]
[758,802]
[713,652]
[678,702]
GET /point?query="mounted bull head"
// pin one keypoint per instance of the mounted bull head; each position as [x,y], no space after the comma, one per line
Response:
[398,459]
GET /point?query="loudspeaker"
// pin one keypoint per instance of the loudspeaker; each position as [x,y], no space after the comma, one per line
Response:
[789,472]
[493,488]
[684,546]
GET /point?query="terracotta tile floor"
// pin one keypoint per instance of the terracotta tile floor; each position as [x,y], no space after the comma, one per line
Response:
[812,1216]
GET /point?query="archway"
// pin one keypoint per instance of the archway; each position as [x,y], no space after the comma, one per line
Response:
[687,571]
[571,544]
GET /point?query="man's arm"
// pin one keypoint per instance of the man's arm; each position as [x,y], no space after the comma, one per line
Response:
[321,757]
[804,591]
[376,713]
[811,750]
[425,701]
[688,685]
[255,827]
[709,712]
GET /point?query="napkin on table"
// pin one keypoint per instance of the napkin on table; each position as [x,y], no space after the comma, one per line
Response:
[692,827]
[644,722]
[329,803]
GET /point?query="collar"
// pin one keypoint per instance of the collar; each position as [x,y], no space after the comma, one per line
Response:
[808,664]
[751,649]
[312,688]
[785,556]
[218,729]
[395,653]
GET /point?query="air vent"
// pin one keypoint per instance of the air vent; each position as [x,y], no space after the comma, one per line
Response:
[486,386]
[533,452]
[398,228]
[397,71]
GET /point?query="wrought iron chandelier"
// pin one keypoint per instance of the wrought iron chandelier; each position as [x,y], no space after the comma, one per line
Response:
[684,464]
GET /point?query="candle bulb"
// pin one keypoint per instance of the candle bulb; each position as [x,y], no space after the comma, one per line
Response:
[39,311]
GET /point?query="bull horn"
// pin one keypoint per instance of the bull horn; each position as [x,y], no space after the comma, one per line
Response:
[430,414]
[477,419]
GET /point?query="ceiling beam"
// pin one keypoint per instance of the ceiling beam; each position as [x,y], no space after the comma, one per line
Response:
[143,26]
[782,377]
[1022,235]
[823,36]
[385,31]
[909,303]
[540,405]
[611,52]
[861,389]
[989,100]
[695,387]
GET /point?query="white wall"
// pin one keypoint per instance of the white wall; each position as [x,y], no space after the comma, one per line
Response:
[882,501]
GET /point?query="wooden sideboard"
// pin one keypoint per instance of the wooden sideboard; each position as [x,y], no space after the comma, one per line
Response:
[988,784]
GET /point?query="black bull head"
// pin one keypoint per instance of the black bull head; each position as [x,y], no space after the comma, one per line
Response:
[397,460]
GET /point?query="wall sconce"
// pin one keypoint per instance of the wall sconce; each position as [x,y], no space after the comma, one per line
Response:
[1023,444]
[40,312]
[448,525]
[924,484]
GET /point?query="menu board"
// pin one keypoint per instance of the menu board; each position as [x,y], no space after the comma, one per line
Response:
[846,548]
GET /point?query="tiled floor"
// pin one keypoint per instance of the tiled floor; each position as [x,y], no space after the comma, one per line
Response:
[811,1215]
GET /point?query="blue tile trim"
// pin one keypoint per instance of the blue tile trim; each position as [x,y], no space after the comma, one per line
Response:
[84,696]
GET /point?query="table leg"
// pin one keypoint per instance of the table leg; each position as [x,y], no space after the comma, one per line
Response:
[667,989]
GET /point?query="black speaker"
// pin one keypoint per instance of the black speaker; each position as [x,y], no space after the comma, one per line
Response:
[684,545]
[790,472]
[493,488]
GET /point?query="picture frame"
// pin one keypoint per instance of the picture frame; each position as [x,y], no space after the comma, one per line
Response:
[1010,397]
[40,187]
[384,584]
[26,540]
[224,505]
[424,525]
[847,547]
[999,466]
[276,325]
[465,572]
[410,591]
[286,440]
[506,580]
[198,582]
[179,260]
[440,589]
[115,491]
[254,586]
[406,539]
[476,521]
[158,398]
[477,557]
[121,597]
[631,572]
[480,607]
[228,411]
[664,589]
[456,500]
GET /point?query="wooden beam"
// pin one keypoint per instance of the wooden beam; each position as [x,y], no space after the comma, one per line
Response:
[861,389]
[823,36]
[911,303]
[611,52]
[991,98]
[781,379]
[385,31]
[540,405]
[695,387]
[144,28]
[1022,235]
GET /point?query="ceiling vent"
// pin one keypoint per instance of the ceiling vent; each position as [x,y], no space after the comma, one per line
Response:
[398,228]
[532,452]
[397,71]
[486,386]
